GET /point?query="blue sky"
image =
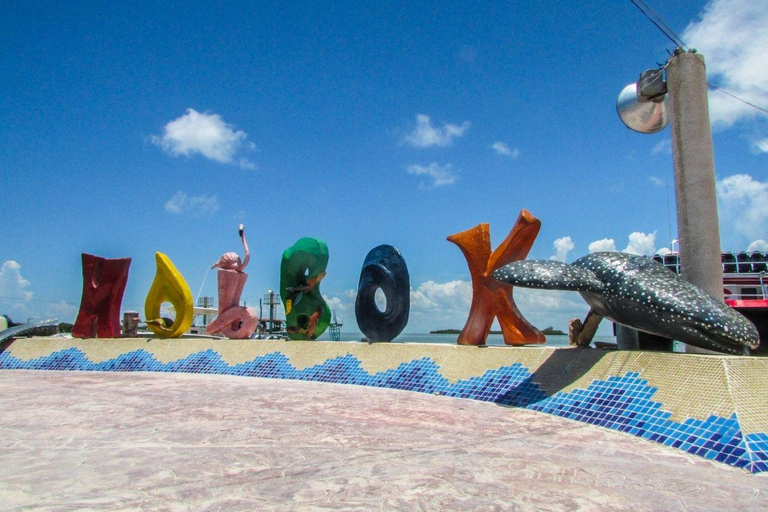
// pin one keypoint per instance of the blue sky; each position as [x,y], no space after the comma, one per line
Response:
[127,129]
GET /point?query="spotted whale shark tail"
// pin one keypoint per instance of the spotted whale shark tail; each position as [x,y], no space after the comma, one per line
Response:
[549,275]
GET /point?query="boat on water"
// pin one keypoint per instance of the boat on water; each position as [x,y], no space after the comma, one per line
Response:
[745,286]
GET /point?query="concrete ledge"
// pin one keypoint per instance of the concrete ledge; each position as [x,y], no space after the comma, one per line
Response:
[712,406]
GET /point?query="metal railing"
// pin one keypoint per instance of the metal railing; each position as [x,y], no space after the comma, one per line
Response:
[755,262]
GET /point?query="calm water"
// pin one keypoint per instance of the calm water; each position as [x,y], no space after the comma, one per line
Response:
[450,339]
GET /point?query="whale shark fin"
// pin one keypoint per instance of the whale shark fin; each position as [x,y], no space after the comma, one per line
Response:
[548,275]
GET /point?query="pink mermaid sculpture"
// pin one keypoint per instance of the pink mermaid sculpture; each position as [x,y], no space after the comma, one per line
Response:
[234,320]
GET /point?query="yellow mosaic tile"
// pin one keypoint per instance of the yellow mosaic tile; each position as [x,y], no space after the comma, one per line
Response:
[303,354]
[689,386]
[567,369]
[380,357]
[748,380]
[27,349]
[467,362]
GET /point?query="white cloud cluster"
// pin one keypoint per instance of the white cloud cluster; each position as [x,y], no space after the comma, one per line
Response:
[12,284]
[207,135]
[343,306]
[732,36]
[760,146]
[441,297]
[664,146]
[63,311]
[743,203]
[604,245]
[657,181]
[502,148]
[758,245]
[446,305]
[439,175]
[562,247]
[639,243]
[15,297]
[543,308]
[14,290]
[196,205]
[425,135]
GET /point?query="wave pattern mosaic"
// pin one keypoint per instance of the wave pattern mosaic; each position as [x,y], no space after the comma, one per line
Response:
[710,406]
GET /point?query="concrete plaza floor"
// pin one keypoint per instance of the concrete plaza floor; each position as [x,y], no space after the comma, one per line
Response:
[142,441]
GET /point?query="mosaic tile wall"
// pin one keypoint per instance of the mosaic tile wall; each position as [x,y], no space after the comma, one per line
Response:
[711,406]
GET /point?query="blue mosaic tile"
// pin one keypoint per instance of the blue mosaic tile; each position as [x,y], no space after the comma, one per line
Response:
[623,402]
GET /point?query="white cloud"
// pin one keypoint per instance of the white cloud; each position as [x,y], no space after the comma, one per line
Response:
[440,175]
[743,203]
[562,247]
[604,245]
[167,310]
[732,36]
[425,135]
[760,146]
[14,291]
[543,308]
[437,297]
[663,146]
[12,284]
[758,245]
[503,149]
[343,306]
[663,251]
[196,205]
[207,135]
[439,305]
[657,181]
[63,311]
[641,243]
[446,305]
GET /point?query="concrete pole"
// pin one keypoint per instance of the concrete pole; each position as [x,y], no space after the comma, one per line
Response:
[694,162]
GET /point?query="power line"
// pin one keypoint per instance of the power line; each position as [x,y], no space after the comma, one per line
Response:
[668,30]
[39,300]
[61,301]
[761,109]
[672,36]
[38,269]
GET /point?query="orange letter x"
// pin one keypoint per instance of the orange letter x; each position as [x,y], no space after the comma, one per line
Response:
[491,298]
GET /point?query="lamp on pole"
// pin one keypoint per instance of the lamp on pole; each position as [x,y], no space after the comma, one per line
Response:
[693,160]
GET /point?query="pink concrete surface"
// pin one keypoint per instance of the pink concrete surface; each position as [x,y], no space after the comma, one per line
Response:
[142,441]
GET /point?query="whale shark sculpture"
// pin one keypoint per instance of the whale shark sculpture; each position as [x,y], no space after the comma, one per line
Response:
[640,293]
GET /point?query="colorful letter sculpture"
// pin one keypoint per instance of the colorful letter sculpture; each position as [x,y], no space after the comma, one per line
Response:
[302,268]
[491,298]
[234,320]
[169,286]
[103,286]
[384,268]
